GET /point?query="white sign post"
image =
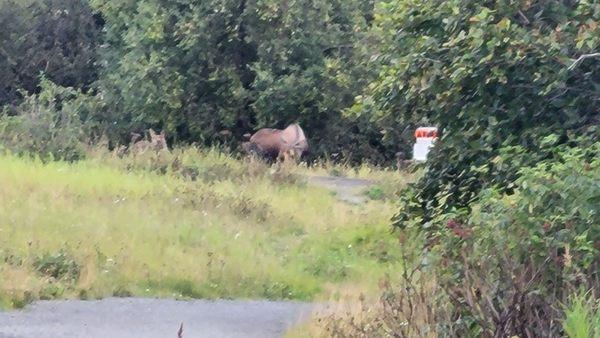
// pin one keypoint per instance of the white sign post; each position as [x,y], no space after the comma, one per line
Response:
[425,136]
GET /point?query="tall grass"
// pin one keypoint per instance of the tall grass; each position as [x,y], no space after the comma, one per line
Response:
[582,316]
[409,303]
[185,224]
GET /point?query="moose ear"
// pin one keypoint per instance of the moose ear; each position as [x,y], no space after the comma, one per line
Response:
[152,132]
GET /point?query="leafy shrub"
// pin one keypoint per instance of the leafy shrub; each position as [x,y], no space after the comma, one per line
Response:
[513,257]
[60,266]
[208,90]
[510,211]
[57,37]
[375,192]
[502,267]
[48,124]
[489,75]
[51,291]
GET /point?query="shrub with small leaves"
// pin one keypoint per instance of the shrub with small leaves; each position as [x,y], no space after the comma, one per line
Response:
[489,74]
[49,124]
[60,266]
[513,257]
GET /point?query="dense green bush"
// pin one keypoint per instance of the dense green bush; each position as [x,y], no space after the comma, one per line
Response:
[509,196]
[205,73]
[209,72]
[489,75]
[49,124]
[485,73]
[514,257]
[57,37]
[513,264]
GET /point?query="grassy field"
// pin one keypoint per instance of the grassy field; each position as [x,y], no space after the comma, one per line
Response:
[185,224]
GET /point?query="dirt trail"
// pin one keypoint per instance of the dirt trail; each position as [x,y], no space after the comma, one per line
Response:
[151,318]
[347,189]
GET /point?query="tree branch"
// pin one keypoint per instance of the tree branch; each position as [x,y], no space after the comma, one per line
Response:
[8,58]
[581,58]
[525,20]
[337,47]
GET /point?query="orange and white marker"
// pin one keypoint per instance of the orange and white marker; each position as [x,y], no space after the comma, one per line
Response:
[425,137]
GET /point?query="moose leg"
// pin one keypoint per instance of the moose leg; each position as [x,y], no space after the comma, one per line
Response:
[281,156]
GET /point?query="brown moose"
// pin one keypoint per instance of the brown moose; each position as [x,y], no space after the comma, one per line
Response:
[282,145]
[156,142]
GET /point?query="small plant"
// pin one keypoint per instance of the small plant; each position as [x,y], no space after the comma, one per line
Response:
[375,192]
[122,291]
[12,259]
[285,173]
[19,301]
[277,290]
[216,172]
[51,291]
[59,266]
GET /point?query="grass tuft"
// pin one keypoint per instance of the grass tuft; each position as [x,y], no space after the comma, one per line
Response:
[582,317]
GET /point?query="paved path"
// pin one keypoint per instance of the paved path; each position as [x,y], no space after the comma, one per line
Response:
[152,318]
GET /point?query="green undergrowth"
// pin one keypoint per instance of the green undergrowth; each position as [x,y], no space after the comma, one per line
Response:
[582,316]
[133,226]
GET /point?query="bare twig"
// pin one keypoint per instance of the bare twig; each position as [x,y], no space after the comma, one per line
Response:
[430,59]
[581,58]
[526,21]
[337,47]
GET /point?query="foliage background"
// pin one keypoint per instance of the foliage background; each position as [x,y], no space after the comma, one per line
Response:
[205,72]
[507,82]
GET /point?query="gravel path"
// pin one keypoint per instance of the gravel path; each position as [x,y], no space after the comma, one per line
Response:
[150,318]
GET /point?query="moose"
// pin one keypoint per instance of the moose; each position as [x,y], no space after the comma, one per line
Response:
[156,142]
[276,144]
[140,144]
